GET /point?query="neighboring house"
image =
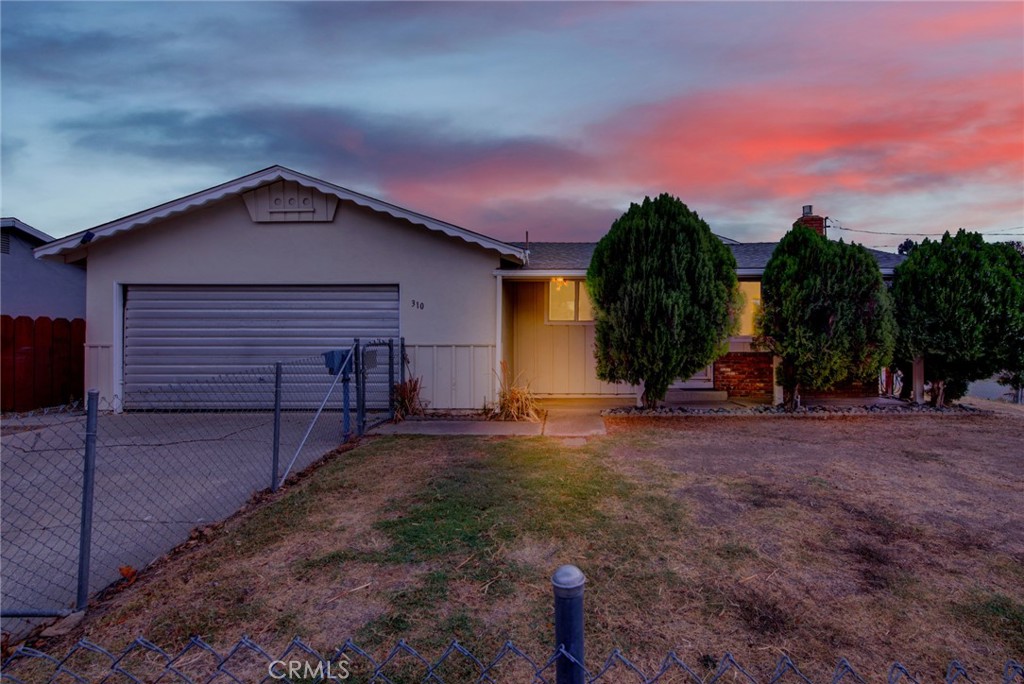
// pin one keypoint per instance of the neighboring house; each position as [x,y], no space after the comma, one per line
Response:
[42,331]
[278,265]
[34,288]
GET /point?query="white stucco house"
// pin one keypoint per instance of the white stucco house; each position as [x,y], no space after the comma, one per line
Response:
[278,265]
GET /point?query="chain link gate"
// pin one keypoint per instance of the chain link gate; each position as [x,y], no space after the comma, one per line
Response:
[379,368]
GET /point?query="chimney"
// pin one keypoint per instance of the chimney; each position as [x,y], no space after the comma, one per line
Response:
[811,220]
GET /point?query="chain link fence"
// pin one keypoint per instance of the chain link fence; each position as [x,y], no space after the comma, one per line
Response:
[40,508]
[247,661]
[380,367]
[165,462]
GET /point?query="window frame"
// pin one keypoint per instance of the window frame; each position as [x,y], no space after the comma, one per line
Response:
[577,283]
[740,335]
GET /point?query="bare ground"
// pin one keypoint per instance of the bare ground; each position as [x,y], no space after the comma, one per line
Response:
[873,538]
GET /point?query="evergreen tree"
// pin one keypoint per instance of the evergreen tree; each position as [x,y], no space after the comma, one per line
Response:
[825,312]
[665,296]
[960,306]
[906,247]
[1013,367]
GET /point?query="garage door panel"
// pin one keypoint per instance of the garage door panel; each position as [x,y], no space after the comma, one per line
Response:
[369,309]
[178,339]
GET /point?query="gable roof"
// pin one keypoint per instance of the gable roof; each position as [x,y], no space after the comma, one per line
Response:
[548,256]
[573,256]
[9,223]
[255,180]
[751,257]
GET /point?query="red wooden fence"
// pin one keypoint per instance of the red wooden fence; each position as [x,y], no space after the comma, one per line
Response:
[42,362]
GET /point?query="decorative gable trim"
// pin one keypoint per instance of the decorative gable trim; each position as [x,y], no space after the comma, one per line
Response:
[287,201]
[240,186]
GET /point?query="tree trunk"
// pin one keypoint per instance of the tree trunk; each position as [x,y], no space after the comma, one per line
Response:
[939,393]
[648,399]
[790,387]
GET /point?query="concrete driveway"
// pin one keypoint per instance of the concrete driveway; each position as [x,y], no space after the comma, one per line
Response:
[158,476]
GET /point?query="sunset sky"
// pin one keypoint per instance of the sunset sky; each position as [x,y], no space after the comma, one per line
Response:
[891,117]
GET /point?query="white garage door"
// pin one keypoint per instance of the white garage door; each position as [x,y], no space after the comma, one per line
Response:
[182,334]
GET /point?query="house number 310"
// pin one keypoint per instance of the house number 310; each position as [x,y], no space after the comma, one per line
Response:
[418,305]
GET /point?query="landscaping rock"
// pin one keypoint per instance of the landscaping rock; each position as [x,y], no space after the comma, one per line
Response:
[815,410]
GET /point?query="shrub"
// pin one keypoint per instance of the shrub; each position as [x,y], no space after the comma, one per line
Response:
[407,399]
[664,295]
[960,306]
[515,401]
[825,312]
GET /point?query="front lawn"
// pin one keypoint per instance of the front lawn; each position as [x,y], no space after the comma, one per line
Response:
[871,538]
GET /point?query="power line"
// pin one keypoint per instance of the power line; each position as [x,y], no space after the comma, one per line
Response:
[934,235]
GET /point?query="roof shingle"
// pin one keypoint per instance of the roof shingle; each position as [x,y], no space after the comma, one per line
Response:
[575,256]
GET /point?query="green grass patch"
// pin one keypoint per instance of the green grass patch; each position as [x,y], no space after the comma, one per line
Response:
[997,615]
[223,604]
[735,552]
[513,488]
[491,496]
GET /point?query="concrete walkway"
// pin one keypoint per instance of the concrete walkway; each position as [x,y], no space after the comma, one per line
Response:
[576,418]
[564,418]
[453,427]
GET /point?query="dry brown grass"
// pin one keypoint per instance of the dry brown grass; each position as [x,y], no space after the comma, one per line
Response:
[862,537]
[1001,407]
[407,399]
[515,400]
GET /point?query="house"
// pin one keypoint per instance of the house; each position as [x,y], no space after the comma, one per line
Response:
[34,288]
[278,264]
[42,328]
[556,357]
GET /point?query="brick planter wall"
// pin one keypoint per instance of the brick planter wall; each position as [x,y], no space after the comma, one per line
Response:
[746,375]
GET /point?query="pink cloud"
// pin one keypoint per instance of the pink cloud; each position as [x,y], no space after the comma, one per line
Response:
[770,142]
[975,19]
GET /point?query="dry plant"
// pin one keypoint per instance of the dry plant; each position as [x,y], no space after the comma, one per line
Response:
[407,399]
[515,401]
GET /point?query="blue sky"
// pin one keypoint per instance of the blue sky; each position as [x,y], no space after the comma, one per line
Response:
[507,117]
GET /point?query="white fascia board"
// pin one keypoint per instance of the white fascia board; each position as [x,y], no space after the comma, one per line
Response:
[748,272]
[449,229]
[527,274]
[255,180]
[520,274]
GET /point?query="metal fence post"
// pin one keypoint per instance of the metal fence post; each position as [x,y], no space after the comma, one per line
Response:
[277,427]
[391,379]
[357,360]
[88,486]
[346,419]
[568,583]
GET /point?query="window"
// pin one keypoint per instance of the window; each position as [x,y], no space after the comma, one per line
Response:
[568,301]
[751,292]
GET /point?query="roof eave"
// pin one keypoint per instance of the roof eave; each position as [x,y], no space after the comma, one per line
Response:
[20,226]
[244,184]
[524,273]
